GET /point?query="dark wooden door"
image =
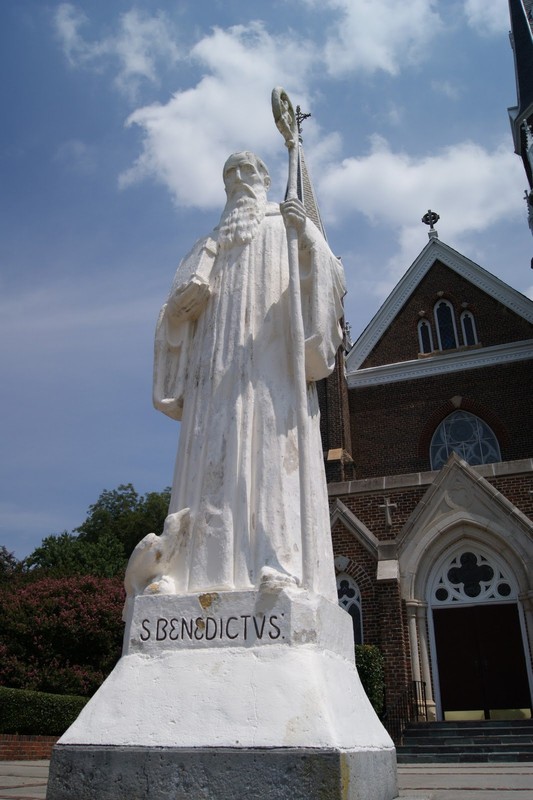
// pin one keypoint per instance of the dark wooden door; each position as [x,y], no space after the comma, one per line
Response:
[481,658]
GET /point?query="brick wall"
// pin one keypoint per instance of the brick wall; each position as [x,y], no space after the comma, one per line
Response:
[334,410]
[15,747]
[368,507]
[392,424]
[380,603]
[335,422]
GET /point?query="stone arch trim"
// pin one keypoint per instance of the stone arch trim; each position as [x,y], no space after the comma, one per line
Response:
[440,538]
[360,576]
[465,404]
[416,592]
[339,513]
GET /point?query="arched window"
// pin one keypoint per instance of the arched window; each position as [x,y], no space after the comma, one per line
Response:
[468,436]
[425,337]
[445,323]
[468,326]
[350,599]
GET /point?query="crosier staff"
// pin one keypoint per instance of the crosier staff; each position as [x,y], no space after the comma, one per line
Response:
[286,123]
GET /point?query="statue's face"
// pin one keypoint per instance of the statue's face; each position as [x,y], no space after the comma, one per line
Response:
[242,177]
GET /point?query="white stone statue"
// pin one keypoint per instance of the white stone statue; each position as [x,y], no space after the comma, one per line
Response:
[224,366]
[238,663]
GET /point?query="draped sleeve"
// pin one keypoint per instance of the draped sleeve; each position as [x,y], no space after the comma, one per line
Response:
[174,334]
[323,286]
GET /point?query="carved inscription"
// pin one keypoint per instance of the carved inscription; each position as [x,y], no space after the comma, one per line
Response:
[242,628]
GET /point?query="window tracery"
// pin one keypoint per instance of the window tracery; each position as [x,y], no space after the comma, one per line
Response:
[472,575]
[467,435]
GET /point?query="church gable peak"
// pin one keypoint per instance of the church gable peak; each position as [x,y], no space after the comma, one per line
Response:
[441,287]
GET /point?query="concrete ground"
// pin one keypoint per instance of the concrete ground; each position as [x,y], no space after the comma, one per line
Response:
[466,781]
[26,780]
[23,779]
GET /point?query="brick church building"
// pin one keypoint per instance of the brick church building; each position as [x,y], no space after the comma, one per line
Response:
[428,446]
[429,458]
[428,442]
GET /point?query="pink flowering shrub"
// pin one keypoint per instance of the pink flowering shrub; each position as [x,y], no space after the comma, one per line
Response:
[60,635]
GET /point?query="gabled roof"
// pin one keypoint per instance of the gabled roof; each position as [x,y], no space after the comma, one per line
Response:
[435,250]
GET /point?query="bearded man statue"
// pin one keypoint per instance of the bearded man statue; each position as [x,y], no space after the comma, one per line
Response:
[224,367]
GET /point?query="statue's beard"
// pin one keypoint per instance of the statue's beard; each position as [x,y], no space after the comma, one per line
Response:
[240,221]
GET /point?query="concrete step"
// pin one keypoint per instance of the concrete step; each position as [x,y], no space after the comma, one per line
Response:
[476,739]
[475,723]
[459,742]
[465,747]
[464,758]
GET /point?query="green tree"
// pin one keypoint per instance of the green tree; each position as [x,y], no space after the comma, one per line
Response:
[125,515]
[9,565]
[102,544]
[66,554]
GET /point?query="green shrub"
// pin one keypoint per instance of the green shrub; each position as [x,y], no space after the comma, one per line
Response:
[37,713]
[369,661]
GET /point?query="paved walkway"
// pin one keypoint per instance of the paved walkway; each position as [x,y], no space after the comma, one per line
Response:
[23,779]
[466,781]
[26,780]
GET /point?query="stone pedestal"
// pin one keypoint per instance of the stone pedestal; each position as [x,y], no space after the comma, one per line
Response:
[232,695]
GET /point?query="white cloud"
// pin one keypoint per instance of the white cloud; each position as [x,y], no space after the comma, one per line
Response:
[187,140]
[488,18]
[371,35]
[139,44]
[470,187]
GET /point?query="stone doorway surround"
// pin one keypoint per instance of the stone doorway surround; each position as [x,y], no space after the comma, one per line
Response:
[461,508]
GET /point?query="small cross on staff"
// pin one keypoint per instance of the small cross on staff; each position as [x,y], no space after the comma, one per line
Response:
[300,117]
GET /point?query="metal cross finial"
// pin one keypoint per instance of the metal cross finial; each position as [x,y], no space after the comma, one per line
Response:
[431,219]
[300,117]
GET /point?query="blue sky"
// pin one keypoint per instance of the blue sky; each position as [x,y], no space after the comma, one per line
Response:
[117,118]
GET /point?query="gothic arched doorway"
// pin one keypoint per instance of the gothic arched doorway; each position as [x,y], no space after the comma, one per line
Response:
[479,662]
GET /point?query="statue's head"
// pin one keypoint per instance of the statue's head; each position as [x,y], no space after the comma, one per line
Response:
[247,182]
[245,173]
